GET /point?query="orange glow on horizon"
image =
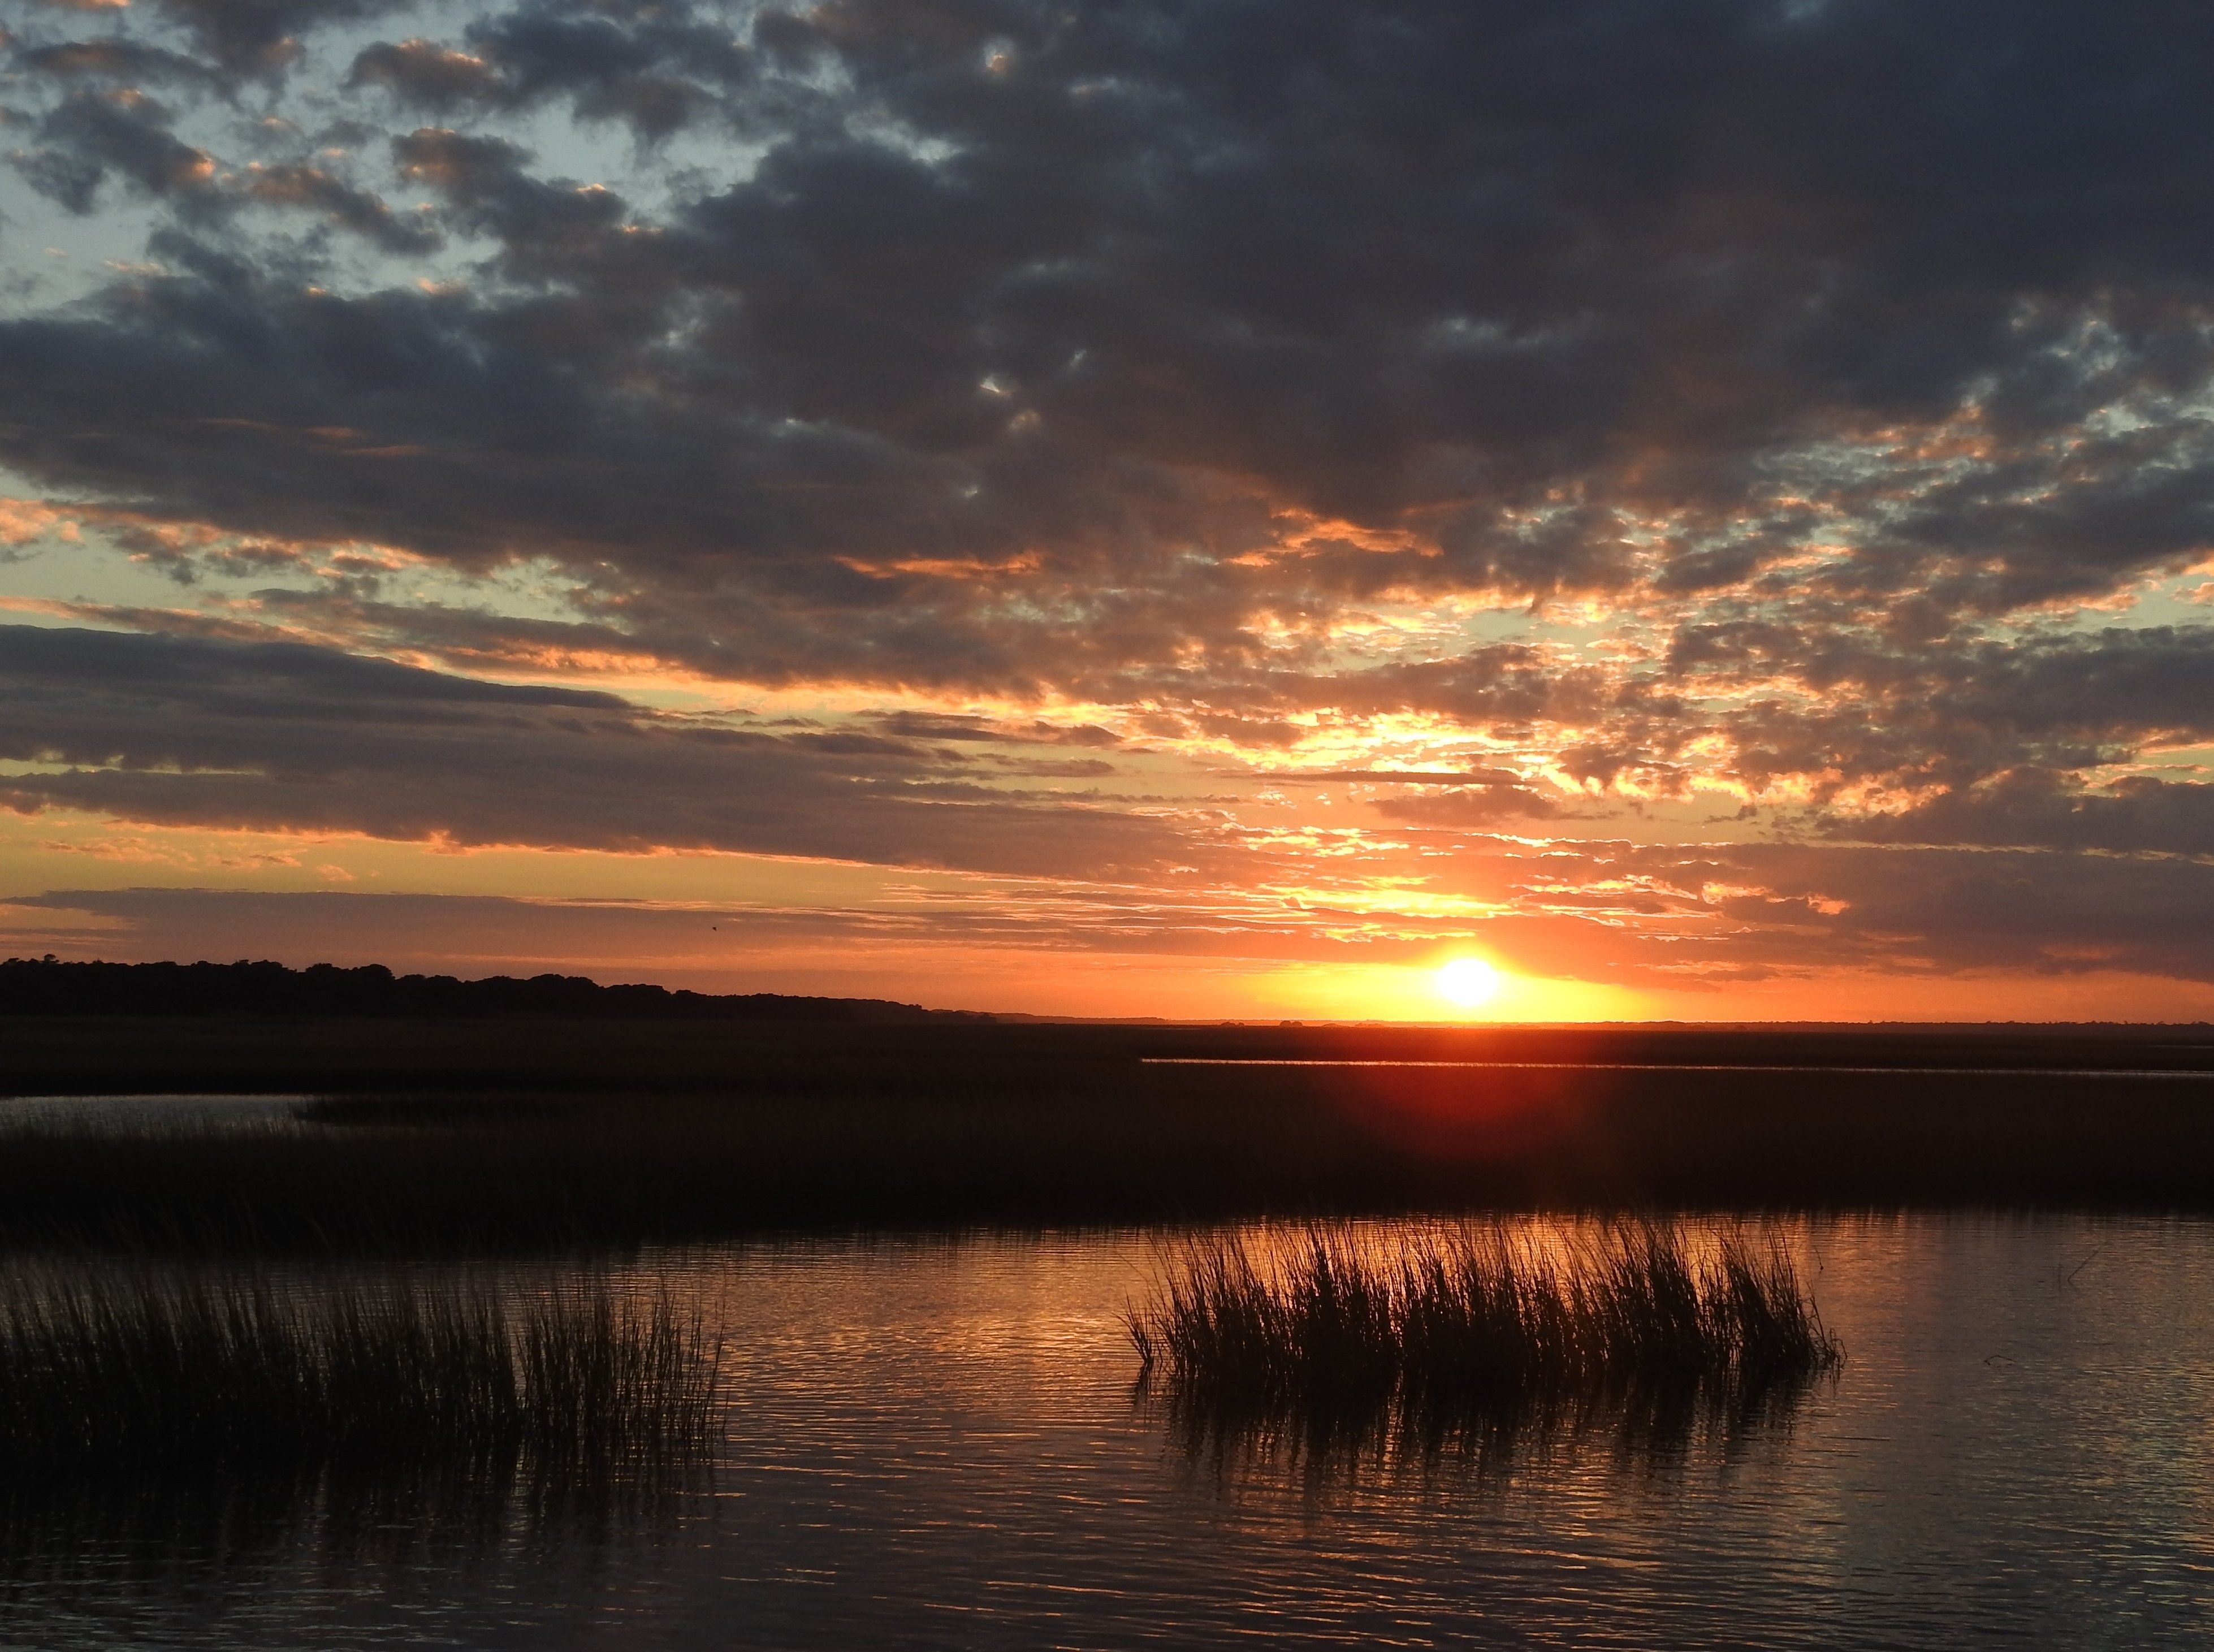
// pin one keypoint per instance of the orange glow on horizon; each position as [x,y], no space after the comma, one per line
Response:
[735,922]
[1427,993]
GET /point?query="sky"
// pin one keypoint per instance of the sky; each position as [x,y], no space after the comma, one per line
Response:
[1692,509]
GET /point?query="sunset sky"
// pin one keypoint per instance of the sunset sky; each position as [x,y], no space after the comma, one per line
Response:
[1214,510]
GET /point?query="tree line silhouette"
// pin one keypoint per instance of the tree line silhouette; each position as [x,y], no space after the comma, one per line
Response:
[50,986]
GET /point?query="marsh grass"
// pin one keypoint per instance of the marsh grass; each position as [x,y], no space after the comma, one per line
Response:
[1476,1332]
[220,1374]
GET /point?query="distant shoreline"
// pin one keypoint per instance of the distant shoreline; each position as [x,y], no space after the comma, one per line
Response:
[50,986]
[65,987]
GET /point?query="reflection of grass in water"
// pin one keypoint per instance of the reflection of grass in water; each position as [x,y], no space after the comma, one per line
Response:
[140,1371]
[1476,1338]
[102,1539]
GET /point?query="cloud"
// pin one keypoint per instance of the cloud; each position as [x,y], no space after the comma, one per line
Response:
[1476,806]
[2139,814]
[655,67]
[178,730]
[1711,917]
[129,63]
[91,136]
[2036,910]
[1697,922]
[259,37]
[1955,713]
[1575,299]
[193,733]
[320,191]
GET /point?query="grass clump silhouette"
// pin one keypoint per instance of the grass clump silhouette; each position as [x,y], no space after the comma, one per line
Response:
[1476,1327]
[134,1370]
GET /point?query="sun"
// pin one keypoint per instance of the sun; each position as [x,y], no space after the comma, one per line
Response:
[1467,981]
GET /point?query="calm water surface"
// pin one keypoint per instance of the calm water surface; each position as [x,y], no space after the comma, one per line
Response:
[143,1114]
[938,1446]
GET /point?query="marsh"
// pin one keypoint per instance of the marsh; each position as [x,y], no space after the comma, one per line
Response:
[931,1442]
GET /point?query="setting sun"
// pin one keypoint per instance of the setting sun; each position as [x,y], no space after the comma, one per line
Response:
[1467,982]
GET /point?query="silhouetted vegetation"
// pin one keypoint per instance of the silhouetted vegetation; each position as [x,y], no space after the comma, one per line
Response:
[49,986]
[126,1371]
[1475,1333]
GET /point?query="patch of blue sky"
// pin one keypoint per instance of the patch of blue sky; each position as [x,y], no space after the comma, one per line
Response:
[2182,599]
[657,180]
[90,570]
[51,257]
[535,589]
[312,116]
[93,582]
[655,177]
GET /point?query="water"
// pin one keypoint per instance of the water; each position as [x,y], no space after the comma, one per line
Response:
[109,1115]
[937,1445]
[2058,1074]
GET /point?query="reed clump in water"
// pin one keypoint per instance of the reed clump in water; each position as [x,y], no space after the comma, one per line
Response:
[140,1370]
[1476,1324]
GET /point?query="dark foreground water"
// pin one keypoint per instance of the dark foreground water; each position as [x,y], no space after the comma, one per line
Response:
[114,1115]
[939,1446]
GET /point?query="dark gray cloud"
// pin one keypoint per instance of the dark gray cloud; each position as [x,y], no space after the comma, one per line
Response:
[128,63]
[655,67]
[2039,910]
[1708,917]
[259,37]
[1497,277]
[314,189]
[181,730]
[1955,715]
[91,136]
[2139,814]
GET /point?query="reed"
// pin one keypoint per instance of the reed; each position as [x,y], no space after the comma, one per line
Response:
[1476,1324]
[119,1369]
